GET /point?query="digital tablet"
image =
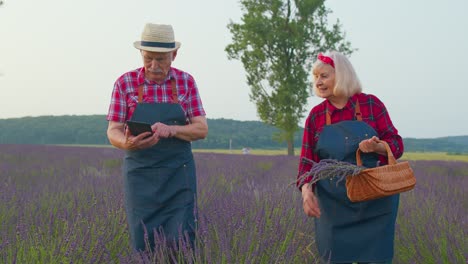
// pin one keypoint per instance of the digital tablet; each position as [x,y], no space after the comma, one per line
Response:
[136,128]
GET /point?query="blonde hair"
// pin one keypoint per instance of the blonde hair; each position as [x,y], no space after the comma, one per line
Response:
[346,80]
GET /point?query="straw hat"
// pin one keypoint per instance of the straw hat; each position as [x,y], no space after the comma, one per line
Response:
[157,38]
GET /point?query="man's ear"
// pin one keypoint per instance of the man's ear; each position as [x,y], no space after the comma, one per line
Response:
[174,55]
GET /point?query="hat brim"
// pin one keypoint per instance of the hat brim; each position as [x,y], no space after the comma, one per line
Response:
[137,44]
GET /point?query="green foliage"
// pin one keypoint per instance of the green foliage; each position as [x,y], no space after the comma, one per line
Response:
[92,130]
[54,130]
[456,145]
[275,43]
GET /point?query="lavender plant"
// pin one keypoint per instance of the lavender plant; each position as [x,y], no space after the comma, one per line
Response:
[329,168]
[65,205]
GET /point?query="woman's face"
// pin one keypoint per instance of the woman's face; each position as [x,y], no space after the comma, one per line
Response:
[157,64]
[324,80]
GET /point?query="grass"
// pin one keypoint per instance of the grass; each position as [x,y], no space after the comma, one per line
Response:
[266,152]
[434,156]
[273,152]
[406,156]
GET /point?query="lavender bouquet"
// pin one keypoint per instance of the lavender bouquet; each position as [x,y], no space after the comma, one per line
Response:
[329,168]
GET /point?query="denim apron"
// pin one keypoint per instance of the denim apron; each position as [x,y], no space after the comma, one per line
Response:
[351,231]
[160,181]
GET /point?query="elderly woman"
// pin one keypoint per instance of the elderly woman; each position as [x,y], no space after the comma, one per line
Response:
[347,232]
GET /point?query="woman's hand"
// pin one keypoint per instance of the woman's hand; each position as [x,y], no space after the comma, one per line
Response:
[142,141]
[310,202]
[372,145]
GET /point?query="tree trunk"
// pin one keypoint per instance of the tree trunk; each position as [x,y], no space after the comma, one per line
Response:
[290,147]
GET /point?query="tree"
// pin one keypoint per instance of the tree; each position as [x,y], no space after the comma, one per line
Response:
[275,42]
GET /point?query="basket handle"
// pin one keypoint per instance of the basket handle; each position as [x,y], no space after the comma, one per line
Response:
[391,158]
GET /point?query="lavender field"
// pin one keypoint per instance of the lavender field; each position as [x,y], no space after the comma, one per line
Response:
[65,205]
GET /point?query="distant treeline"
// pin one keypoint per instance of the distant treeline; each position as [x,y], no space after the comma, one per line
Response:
[91,129]
[223,134]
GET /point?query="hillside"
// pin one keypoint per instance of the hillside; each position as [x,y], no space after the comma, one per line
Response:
[92,130]
[224,133]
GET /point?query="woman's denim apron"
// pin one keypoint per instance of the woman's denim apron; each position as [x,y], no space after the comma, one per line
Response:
[160,182]
[351,231]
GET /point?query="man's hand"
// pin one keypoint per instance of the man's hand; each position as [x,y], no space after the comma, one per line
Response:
[310,202]
[142,141]
[163,130]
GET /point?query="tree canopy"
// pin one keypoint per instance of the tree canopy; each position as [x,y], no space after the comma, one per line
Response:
[276,42]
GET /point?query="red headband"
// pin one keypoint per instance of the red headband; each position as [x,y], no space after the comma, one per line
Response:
[326,60]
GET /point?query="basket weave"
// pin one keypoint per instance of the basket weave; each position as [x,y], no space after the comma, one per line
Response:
[381,181]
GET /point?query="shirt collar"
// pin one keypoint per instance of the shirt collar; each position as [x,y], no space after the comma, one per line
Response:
[349,105]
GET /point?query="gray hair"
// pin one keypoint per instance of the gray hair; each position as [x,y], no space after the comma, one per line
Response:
[346,80]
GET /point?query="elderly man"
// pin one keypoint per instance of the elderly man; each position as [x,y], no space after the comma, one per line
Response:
[159,170]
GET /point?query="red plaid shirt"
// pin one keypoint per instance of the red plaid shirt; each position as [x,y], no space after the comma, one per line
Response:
[125,94]
[373,112]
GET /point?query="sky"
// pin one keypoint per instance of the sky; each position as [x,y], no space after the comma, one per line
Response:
[62,57]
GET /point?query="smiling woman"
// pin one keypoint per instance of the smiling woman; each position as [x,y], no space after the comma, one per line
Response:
[346,120]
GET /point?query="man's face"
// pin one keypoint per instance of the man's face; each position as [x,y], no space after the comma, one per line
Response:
[157,64]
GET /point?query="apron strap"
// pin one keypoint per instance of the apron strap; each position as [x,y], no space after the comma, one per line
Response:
[357,113]
[140,93]
[175,99]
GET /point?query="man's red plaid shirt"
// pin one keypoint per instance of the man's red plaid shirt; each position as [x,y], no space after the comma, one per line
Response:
[125,94]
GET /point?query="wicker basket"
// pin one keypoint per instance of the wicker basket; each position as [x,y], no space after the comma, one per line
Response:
[381,181]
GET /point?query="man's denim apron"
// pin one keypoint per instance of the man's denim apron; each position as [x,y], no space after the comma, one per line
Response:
[160,182]
[351,231]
